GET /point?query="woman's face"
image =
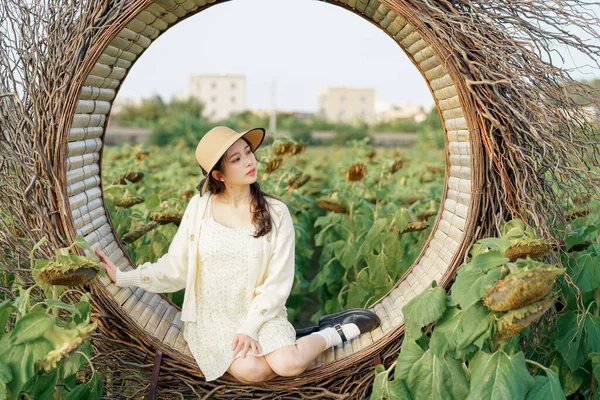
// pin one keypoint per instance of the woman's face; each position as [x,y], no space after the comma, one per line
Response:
[238,161]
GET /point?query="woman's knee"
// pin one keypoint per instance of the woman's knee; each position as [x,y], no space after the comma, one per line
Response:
[250,369]
[286,364]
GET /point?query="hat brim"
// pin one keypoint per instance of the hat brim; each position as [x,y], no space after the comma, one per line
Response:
[255,136]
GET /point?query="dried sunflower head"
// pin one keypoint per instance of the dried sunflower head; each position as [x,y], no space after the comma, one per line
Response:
[356,173]
[371,155]
[273,165]
[298,148]
[126,202]
[166,217]
[395,167]
[523,247]
[515,321]
[331,205]
[141,156]
[521,288]
[131,176]
[132,236]
[67,270]
[283,148]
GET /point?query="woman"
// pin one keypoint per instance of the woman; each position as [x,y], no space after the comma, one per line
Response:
[240,274]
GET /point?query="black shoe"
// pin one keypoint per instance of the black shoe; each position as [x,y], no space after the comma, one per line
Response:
[365,320]
[306,331]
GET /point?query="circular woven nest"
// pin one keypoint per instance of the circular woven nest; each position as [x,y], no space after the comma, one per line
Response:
[504,113]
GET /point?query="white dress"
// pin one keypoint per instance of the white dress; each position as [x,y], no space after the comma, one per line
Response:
[223,295]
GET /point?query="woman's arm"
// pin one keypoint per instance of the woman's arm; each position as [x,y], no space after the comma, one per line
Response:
[169,272]
[272,295]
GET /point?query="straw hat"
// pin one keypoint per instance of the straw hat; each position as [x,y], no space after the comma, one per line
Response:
[216,142]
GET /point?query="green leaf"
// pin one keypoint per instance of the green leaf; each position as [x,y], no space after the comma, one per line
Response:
[377,271]
[89,390]
[433,377]
[6,308]
[472,283]
[30,327]
[499,376]
[568,380]
[584,270]
[576,338]
[372,237]
[579,235]
[401,219]
[458,329]
[514,228]
[409,354]
[488,261]
[52,303]
[427,307]
[41,385]
[500,244]
[346,252]
[546,387]
[383,388]
[21,360]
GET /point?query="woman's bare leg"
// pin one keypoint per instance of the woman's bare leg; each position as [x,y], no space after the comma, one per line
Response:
[294,359]
[251,369]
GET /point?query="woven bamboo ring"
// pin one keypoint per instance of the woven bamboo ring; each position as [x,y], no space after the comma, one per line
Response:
[152,316]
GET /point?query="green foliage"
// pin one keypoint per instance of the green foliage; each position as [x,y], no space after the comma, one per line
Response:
[460,359]
[41,354]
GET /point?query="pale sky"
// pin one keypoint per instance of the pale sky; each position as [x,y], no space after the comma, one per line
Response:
[303,44]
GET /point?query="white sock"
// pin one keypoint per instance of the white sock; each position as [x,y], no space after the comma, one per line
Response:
[333,338]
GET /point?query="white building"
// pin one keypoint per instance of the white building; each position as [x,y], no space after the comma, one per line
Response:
[222,95]
[342,104]
[387,112]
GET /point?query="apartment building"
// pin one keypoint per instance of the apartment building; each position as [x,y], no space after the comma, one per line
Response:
[222,95]
[348,105]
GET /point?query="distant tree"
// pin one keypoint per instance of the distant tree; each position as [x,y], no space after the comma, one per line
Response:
[189,105]
[148,112]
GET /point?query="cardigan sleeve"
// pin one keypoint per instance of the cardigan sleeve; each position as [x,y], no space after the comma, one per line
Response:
[169,272]
[272,295]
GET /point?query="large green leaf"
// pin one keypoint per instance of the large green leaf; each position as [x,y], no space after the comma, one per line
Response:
[6,308]
[368,245]
[584,270]
[346,252]
[433,377]
[383,388]
[409,354]
[87,391]
[576,337]
[21,359]
[568,380]
[5,377]
[41,385]
[458,329]
[30,327]
[472,283]
[546,387]
[487,261]
[499,376]
[427,307]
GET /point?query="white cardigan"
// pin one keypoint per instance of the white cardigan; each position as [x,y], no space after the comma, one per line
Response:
[176,269]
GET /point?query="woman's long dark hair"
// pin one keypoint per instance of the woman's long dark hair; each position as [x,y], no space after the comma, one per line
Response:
[261,218]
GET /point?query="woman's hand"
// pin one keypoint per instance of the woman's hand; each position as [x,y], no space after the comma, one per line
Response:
[244,342]
[111,269]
